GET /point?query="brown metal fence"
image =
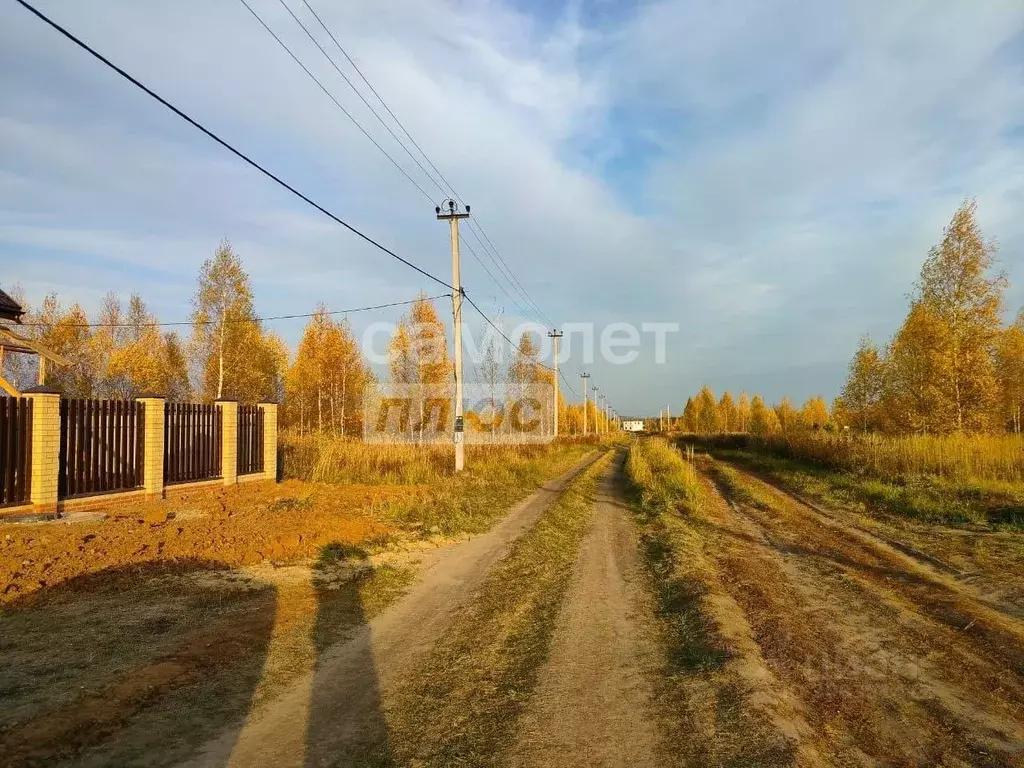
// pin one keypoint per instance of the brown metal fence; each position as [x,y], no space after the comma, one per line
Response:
[250,439]
[101,446]
[15,450]
[192,435]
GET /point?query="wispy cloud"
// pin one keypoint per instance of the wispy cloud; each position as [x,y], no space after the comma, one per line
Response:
[769,175]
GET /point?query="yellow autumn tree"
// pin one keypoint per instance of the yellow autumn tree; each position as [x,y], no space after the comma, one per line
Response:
[707,411]
[727,415]
[862,392]
[814,414]
[233,355]
[743,413]
[961,303]
[1010,375]
[327,381]
[787,415]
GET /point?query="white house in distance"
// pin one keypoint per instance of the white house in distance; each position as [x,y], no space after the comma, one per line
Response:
[633,425]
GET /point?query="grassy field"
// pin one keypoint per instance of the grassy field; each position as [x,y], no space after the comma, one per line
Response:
[952,480]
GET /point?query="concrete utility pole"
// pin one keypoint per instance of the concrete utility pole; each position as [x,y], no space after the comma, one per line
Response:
[458,434]
[584,376]
[555,336]
[597,412]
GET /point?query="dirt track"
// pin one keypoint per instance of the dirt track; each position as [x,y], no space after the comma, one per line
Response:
[339,707]
[893,661]
[593,702]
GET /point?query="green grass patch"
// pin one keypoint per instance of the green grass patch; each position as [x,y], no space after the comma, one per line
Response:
[926,498]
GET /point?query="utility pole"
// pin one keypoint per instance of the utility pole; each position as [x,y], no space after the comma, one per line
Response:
[555,335]
[584,376]
[597,420]
[458,434]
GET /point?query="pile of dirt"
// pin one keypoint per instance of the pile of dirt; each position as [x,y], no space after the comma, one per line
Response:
[240,525]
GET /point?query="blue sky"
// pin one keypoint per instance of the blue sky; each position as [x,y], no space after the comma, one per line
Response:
[769,175]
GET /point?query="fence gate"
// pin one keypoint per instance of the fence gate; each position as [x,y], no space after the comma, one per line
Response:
[15,450]
[250,439]
[101,446]
[192,434]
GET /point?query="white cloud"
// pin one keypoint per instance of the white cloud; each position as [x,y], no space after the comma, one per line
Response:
[797,160]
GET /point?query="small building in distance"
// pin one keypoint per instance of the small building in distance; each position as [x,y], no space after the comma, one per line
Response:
[633,425]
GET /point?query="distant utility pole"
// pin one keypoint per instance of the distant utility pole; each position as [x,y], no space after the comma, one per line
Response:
[597,412]
[458,434]
[555,336]
[584,376]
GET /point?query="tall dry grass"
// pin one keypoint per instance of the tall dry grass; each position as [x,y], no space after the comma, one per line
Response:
[664,480]
[960,458]
[334,459]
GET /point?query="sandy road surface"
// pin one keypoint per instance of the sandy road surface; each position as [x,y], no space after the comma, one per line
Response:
[592,703]
[338,708]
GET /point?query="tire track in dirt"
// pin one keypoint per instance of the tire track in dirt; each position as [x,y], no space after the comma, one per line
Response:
[339,707]
[969,583]
[592,705]
[867,641]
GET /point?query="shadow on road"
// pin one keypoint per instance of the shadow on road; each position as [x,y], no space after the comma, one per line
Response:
[190,664]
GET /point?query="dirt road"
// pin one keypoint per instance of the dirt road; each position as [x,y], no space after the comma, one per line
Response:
[745,628]
[338,709]
[592,706]
[891,660]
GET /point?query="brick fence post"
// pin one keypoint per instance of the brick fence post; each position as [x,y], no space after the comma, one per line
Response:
[269,440]
[155,416]
[228,440]
[45,471]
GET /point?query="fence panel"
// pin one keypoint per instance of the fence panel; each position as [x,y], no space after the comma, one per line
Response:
[192,435]
[15,450]
[101,446]
[250,439]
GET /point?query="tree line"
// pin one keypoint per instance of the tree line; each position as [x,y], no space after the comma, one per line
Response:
[952,366]
[227,352]
[706,415]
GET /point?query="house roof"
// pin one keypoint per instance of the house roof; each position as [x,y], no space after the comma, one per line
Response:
[9,308]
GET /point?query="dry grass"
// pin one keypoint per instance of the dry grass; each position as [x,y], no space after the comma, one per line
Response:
[711,668]
[962,458]
[661,476]
[333,459]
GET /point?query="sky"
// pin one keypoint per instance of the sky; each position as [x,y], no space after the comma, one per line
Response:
[769,176]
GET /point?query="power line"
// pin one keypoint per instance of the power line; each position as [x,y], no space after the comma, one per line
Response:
[356,90]
[495,257]
[510,278]
[500,332]
[242,320]
[330,95]
[238,153]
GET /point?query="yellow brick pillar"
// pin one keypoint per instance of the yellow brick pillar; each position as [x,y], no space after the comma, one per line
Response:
[269,440]
[153,445]
[45,447]
[228,440]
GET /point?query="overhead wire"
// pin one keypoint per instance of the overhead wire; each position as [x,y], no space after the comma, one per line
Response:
[368,135]
[474,225]
[238,153]
[243,320]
